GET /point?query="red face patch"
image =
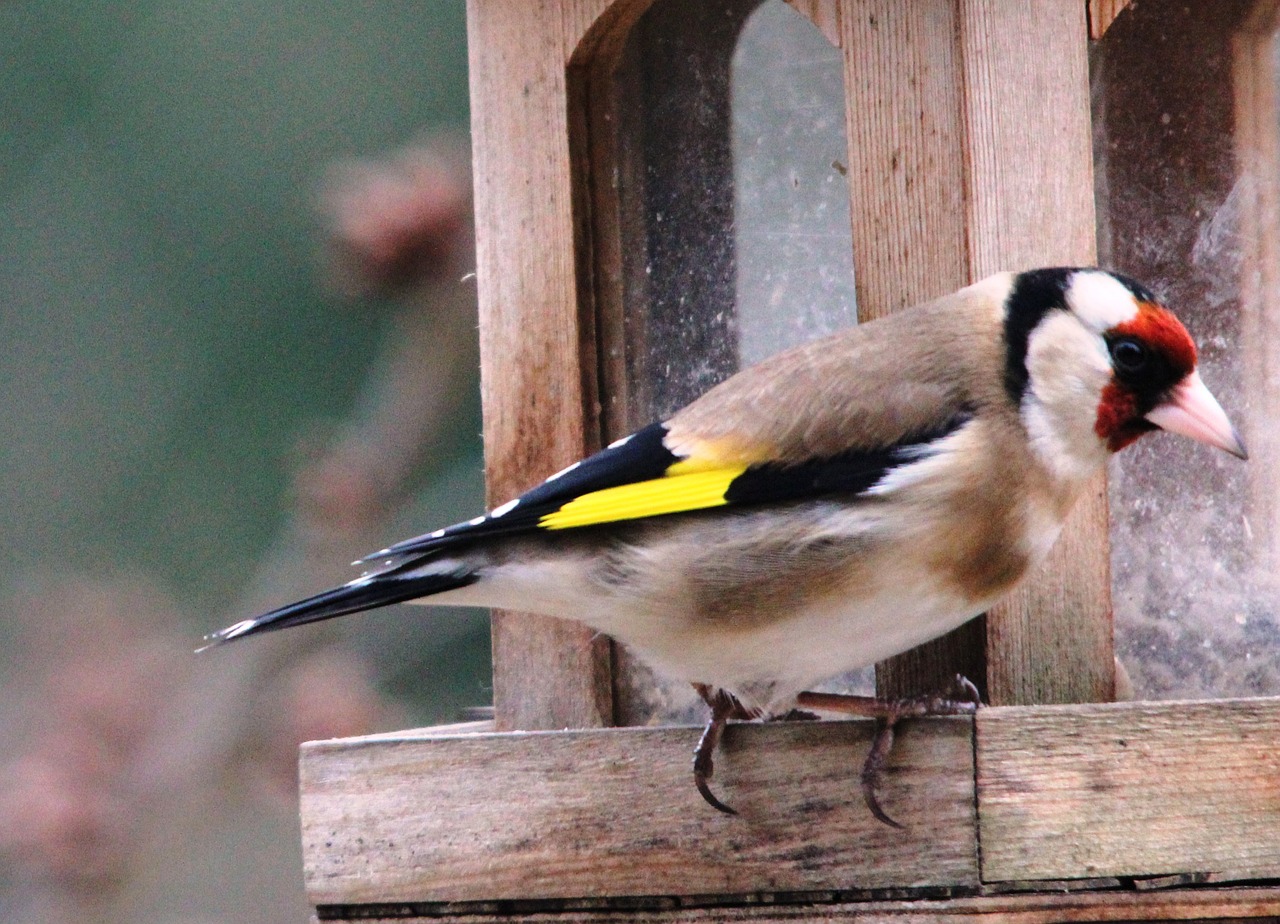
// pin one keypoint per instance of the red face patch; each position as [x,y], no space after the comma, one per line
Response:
[1161,331]
[1126,400]
[1118,421]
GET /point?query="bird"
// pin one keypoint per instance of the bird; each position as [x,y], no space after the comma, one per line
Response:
[831,506]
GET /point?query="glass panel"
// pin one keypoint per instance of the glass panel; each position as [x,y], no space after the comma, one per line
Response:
[792,228]
[1176,89]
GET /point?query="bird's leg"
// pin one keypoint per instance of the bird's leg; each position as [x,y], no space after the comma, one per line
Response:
[723,708]
[961,699]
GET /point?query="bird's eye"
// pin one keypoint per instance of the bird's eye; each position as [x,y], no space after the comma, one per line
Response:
[1128,355]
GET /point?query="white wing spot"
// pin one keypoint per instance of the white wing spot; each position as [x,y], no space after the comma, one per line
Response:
[477,521]
[622,442]
[505,508]
[565,471]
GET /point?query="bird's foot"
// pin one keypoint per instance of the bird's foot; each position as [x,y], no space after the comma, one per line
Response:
[723,708]
[961,699]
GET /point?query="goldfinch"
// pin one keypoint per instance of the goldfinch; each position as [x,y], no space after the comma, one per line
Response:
[838,503]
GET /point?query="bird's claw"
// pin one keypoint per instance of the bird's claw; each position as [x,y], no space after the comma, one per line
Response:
[873,769]
[963,691]
[962,698]
[702,781]
[723,706]
[704,757]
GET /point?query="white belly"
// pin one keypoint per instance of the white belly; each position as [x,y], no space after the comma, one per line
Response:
[765,663]
[773,662]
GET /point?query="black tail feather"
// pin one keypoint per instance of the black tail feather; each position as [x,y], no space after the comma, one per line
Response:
[364,594]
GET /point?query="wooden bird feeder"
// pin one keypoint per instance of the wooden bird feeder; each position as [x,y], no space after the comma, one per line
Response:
[970,149]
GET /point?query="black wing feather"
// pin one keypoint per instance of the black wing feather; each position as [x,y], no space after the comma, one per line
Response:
[644,456]
[414,569]
[368,593]
[641,457]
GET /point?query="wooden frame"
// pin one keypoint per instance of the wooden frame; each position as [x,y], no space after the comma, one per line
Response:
[970,191]
[966,156]
[1132,798]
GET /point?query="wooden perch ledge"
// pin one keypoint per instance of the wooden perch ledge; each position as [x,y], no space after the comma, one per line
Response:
[1028,813]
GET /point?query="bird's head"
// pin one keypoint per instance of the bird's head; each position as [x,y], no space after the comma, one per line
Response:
[1095,361]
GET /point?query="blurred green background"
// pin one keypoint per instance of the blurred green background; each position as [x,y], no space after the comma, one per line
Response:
[167,337]
[170,347]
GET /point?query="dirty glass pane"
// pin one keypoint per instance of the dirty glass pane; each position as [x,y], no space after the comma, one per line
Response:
[792,229]
[675,184]
[1186,129]
[734,225]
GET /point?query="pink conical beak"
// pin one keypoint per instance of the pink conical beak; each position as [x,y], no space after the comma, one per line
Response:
[1192,410]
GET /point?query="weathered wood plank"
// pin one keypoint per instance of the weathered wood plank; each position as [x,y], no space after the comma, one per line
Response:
[1202,905]
[1029,158]
[537,391]
[1132,790]
[423,818]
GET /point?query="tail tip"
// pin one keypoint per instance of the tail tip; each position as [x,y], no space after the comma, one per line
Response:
[230,633]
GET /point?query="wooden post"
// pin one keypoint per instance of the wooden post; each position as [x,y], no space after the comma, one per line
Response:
[970,156]
[906,191]
[1029,152]
[538,393]
[1257,122]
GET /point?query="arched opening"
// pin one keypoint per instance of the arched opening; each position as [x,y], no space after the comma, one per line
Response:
[712,213]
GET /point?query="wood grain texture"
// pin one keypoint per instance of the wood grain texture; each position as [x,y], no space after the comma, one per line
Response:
[1201,905]
[536,389]
[1029,203]
[1257,136]
[1102,13]
[613,813]
[906,179]
[906,200]
[1133,790]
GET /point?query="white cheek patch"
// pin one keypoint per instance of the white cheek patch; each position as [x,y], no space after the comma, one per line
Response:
[1066,362]
[1068,368]
[1100,300]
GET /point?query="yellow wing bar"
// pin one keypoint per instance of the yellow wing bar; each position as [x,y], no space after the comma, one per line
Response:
[682,491]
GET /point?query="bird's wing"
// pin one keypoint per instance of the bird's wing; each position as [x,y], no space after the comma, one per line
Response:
[641,477]
[834,415]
